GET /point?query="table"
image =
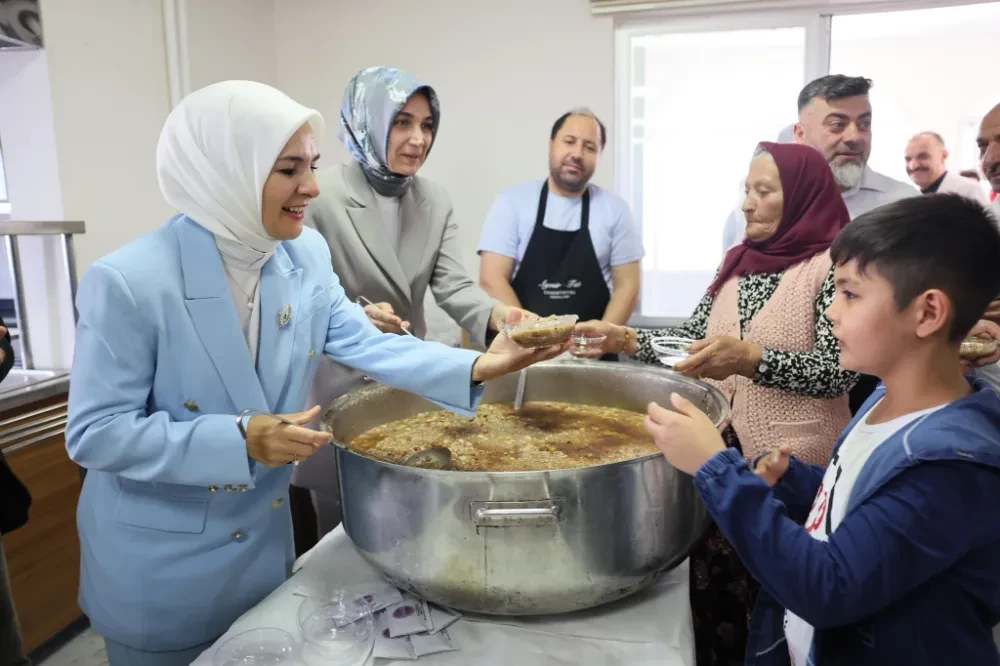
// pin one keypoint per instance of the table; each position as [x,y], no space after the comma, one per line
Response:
[650,627]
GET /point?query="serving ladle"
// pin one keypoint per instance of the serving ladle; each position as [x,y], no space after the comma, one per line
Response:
[433,457]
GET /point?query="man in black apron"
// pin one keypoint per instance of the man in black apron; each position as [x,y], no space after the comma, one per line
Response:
[556,266]
[559,273]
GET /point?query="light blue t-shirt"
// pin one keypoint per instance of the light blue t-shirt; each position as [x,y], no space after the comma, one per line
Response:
[511,221]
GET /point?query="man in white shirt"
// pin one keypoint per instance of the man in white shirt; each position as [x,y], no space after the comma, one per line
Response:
[835,118]
[563,245]
[989,151]
[989,154]
[925,157]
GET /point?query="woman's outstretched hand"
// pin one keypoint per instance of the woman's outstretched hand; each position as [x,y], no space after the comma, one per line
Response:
[505,356]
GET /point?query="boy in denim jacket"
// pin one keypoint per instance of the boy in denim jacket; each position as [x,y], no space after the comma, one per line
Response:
[891,554]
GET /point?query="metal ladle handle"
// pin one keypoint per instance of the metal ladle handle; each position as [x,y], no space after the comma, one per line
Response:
[258,412]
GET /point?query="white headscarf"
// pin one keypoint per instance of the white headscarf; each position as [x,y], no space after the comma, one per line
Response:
[216,150]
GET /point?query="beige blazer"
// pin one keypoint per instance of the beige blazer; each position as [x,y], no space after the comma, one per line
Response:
[346,214]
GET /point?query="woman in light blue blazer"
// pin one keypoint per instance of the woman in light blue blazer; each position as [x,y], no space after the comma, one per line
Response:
[184,522]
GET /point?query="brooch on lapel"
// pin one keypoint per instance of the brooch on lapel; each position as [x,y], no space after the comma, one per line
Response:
[284,316]
[191,406]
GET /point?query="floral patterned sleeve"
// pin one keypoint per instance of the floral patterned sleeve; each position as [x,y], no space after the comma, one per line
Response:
[814,374]
[694,328]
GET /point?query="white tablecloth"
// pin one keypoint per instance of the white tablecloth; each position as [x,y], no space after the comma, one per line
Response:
[651,627]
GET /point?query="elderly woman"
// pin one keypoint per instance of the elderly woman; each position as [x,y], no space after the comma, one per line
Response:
[392,236]
[764,340]
[189,339]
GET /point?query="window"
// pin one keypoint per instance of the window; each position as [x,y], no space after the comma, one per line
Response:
[696,93]
[684,186]
[4,198]
[946,89]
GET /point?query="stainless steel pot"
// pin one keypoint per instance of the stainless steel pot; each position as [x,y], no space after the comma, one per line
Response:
[523,543]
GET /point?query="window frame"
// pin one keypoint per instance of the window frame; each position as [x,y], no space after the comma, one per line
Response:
[815,16]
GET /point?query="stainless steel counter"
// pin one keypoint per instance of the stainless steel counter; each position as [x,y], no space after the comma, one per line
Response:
[23,387]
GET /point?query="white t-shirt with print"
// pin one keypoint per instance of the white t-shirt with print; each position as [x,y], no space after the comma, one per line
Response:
[830,505]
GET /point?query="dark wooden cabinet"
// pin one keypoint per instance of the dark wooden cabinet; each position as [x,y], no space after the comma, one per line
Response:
[43,557]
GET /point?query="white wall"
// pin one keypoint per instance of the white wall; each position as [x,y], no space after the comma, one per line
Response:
[231,39]
[109,94]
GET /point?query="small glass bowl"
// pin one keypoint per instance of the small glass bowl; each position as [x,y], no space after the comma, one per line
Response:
[257,647]
[671,350]
[583,343]
[339,628]
[544,332]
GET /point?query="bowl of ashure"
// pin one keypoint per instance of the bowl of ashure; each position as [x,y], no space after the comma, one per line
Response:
[542,332]
[563,504]
[975,348]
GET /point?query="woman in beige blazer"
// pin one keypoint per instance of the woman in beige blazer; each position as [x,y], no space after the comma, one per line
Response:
[392,236]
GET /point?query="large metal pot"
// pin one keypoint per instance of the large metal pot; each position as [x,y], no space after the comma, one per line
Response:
[523,543]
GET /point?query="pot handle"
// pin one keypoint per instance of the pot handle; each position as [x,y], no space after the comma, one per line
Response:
[516,514]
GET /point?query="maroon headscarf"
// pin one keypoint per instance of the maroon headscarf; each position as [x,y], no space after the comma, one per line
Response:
[814,213]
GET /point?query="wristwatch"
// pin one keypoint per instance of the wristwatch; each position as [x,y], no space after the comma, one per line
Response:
[761,369]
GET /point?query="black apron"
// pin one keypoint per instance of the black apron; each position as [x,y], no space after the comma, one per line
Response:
[559,273]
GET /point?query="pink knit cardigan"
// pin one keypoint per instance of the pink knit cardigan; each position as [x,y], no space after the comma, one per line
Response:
[763,417]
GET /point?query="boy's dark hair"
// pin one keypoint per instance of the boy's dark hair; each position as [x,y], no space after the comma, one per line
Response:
[561,120]
[834,87]
[936,241]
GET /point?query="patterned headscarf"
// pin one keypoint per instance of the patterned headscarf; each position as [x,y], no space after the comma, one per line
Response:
[371,102]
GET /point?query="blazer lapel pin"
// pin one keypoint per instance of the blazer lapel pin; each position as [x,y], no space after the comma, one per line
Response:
[284,316]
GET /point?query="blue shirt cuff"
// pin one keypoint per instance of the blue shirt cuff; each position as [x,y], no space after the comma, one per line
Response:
[718,464]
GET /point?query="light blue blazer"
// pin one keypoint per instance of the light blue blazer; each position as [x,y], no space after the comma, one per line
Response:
[180,531]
